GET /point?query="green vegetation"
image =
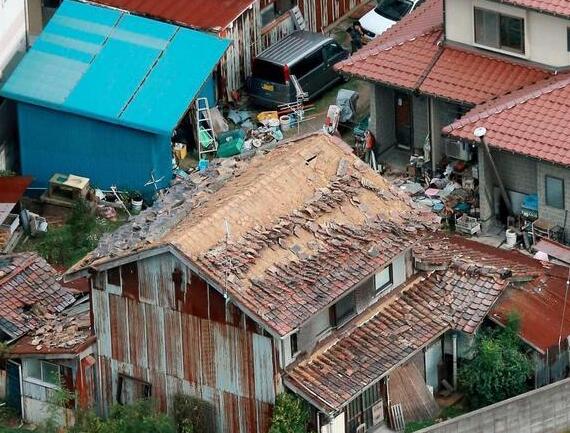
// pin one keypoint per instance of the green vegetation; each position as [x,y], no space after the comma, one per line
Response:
[69,243]
[193,415]
[418,425]
[290,415]
[141,417]
[500,368]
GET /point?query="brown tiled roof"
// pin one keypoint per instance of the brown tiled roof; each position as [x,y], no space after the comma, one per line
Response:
[285,233]
[529,122]
[556,7]
[29,290]
[412,55]
[387,334]
[68,332]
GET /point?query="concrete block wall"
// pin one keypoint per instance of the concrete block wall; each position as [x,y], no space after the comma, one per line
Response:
[557,216]
[420,118]
[545,410]
[382,120]
[518,172]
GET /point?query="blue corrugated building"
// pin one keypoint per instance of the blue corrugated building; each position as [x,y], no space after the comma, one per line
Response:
[100,93]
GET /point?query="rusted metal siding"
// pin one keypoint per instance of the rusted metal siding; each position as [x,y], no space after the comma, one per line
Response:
[320,14]
[204,354]
[245,34]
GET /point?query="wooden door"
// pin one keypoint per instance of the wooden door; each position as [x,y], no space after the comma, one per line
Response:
[404,120]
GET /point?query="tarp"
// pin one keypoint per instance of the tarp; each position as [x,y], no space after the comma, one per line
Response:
[106,64]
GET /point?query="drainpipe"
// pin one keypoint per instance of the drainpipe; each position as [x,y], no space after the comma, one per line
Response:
[480,134]
[454,341]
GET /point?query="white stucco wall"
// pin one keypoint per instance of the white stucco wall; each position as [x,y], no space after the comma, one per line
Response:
[545,35]
[12,31]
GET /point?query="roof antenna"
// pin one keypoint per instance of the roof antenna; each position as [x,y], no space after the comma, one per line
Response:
[564,310]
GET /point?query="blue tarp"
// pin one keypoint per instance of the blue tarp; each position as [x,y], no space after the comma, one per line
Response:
[105,64]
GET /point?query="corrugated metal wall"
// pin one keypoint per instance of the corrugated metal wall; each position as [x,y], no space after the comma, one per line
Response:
[177,334]
[107,154]
[320,14]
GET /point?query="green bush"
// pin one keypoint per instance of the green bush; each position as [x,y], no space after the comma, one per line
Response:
[140,417]
[290,415]
[500,368]
[193,415]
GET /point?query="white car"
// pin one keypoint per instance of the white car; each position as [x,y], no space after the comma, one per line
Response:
[385,15]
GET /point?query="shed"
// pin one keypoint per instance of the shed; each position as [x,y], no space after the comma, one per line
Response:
[101,92]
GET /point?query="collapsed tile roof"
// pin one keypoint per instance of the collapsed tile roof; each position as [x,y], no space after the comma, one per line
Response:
[285,233]
[462,282]
[68,332]
[530,122]
[413,55]
[555,7]
[29,292]
[536,293]
[389,333]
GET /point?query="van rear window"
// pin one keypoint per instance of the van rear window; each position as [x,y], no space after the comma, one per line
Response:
[268,71]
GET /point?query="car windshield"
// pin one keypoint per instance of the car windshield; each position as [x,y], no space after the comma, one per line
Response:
[394,10]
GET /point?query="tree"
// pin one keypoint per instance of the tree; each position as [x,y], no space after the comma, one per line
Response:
[290,415]
[500,368]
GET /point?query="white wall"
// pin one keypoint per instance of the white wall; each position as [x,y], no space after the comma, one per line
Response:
[545,35]
[12,31]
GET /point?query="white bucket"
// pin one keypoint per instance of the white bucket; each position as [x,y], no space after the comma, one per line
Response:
[285,122]
[136,206]
[511,238]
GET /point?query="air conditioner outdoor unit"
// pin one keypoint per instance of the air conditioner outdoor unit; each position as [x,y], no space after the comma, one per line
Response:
[457,149]
[361,428]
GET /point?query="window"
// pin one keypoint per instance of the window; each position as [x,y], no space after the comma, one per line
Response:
[384,279]
[114,277]
[294,344]
[332,50]
[343,310]
[131,390]
[394,10]
[568,39]
[307,64]
[44,371]
[499,31]
[361,410]
[554,192]
[275,10]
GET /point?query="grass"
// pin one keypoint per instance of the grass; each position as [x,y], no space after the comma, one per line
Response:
[445,414]
[69,243]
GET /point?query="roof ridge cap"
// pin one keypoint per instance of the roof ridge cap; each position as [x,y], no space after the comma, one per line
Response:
[527,94]
[19,269]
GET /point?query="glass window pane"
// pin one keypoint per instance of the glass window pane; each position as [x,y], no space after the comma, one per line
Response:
[487,27]
[512,33]
[345,308]
[554,192]
[384,279]
[50,373]
[33,368]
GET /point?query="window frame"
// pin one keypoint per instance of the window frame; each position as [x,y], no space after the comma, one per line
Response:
[563,191]
[499,32]
[294,344]
[147,387]
[337,321]
[43,375]
[276,12]
[388,284]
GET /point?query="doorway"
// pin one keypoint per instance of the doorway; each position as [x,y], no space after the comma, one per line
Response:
[403,119]
[13,386]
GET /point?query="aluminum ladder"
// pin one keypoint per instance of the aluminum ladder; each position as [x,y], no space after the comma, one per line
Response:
[297,15]
[207,142]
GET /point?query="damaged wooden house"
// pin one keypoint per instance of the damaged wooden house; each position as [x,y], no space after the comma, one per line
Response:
[46,329]
[300,270]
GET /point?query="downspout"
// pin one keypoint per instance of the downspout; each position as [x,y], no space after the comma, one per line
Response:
[480,134]
[454,341]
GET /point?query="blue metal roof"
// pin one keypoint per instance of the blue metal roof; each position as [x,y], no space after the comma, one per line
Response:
[106,64]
